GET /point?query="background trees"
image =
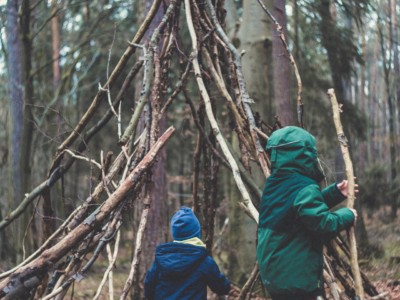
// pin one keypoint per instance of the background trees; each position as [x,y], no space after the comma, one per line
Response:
[69,62]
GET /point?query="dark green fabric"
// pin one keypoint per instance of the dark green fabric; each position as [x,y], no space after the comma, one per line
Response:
[294,216]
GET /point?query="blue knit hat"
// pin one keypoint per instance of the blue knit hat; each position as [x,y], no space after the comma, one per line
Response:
[184,224]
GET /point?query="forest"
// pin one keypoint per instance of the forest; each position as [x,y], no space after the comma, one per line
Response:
[114,114]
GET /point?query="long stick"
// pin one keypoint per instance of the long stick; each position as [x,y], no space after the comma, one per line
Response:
[351,197]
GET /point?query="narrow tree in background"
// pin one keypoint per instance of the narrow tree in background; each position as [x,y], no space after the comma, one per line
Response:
[386,33]
[16,107]
[396,69]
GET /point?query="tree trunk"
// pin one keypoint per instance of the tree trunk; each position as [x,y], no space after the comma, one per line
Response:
[56,41]
[28,104]
[387,60]
[329,41]
[282,69]
[156,231]
[396,64]
[256,40]
[49,212]
[16,107]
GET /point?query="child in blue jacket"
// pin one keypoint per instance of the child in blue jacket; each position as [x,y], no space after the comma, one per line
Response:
[183,269]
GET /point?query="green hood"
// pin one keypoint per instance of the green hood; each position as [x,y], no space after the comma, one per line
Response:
[292,150]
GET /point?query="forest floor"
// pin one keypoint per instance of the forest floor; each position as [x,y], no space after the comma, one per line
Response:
[384,271]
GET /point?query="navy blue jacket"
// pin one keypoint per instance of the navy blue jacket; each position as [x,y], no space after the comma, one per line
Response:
[183,271]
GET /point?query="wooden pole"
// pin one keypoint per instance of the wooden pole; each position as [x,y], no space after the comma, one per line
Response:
[351,196]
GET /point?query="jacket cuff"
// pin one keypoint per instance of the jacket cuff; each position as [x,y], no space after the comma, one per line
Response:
[347,217]
[332,195]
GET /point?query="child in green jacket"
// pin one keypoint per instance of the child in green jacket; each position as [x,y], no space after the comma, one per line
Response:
[295,217]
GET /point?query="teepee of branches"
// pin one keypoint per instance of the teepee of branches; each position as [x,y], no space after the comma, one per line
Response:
[211,61]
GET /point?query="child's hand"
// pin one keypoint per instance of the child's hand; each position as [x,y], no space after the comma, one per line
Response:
[344,187]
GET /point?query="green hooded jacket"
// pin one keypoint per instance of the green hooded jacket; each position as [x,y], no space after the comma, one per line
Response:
[295,219]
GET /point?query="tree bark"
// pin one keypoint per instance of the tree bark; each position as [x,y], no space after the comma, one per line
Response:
[396,69]
[21,97]
[387,61]
[256,40]
[282,69]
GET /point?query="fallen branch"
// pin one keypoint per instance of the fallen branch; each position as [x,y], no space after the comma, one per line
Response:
[28,277]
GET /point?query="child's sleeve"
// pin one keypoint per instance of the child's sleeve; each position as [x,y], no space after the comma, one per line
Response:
[150,282]
[332,196]
[217,281]
[314,213]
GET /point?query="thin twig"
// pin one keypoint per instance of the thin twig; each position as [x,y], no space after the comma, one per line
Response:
[91,161]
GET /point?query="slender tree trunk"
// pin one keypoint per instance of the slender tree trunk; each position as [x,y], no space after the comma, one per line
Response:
[363,99]
[374,109]
[56,41]
[21,94]
[328,28]
[387,60]
[242,235]
[49,212]
[16,107]
[282,69]
[395,47]
[156,230]
[27,152]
